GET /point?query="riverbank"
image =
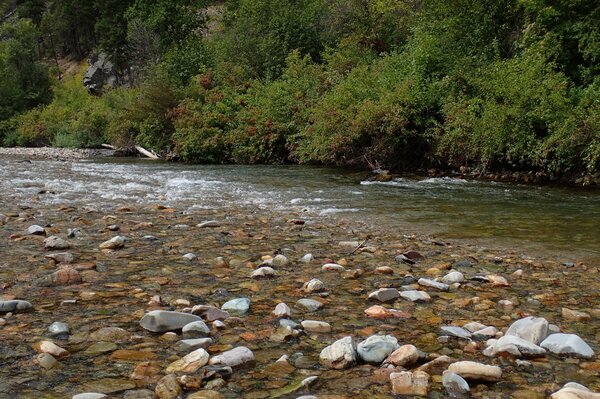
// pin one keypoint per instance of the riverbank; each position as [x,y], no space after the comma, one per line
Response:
[54,153]
[387,287]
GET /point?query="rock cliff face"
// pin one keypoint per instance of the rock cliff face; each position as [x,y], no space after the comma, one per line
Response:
[101,74]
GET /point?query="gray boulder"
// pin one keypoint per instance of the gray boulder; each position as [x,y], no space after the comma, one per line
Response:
[377,347]
[568,344]
[164,320]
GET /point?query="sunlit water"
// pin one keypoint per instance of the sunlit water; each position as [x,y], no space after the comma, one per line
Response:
[521,217]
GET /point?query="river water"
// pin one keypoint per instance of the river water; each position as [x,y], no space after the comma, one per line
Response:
[555,221]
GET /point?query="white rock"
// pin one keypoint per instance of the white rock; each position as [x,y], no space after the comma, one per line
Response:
[453,277]
[333,267]
[314,285]
[433,284]
[474,326]
[307,258]
[280,261]
[237,306]
[515,346]
[89,395]
[309,305]
[476,371]
[163,320]
[339,355]
[486,332]
[196,328]
[376,348]
[208,223]
[573,390]
[316,326]
[234,357]
[117,242]
[532,329]
[189,256]
[282,310]
[264,271]
[455,331]
[36,230]
[415,296]
[187,345]
[568,344]
[190,363]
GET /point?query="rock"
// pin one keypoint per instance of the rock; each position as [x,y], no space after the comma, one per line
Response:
[58,328]
[100,347]
[515,346]
[474,326]
[208,223]
[187,345]
[288,323]
[314,285]
[282,310]
[15,306]
[56,243]
[139,394]
[384,294]
[189,256]
[532,329]
[379,312]
[333,267]
[574,315]
[168,387]
[190,363]
[405,355]
[234,357]
[376,348]
[237,306]
[263,271]
[316,326]
[497,281]
[51,348]
[110,334]
[433,284]
[453,277]
[307,258]
[65,275]
[407,383]
[195,329]
[567,344]
[476,371]
[573,390]
[457,332]
[163,320]
[415,296]
[89,395]
[206,394]
[117,242]
[36,230]
[46,360]
[62,257]
[309,305]
[280,261]
[455,385]
[339,355]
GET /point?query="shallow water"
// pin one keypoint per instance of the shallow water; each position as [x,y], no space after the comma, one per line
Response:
[539,220]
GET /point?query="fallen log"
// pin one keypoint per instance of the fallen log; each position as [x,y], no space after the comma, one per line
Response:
[146,153]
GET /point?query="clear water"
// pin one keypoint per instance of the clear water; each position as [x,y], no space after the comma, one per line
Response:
[526,218]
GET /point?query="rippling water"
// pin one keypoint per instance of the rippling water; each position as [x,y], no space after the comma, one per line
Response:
[552,220]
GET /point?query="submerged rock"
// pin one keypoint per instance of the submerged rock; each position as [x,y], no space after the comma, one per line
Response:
[164,320]
[339,355]
[190,363]
[376,348]
[15,306]
[476,371]
[237,306]
[567,344]
[455,385]
[234,357]
[408,383]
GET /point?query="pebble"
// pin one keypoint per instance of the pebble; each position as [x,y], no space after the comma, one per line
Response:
[100,347]
[309,305]
[314,285]
[62,257]
[189,256]
[339,355]
[280,261]
[117,242]
[433,284]
[190,363]
[56,243]
[572,390]
[455,385]
[415,296]
[307,258]
[282,310]
[51,348]
[376,348]
[515,346]
[234,357]
[405,355]
[453,277]
[206,394]
[567,344]
[195,329]
[532,329]
[164,320]
[237,306]
[208,223]
[89,395]
[457,332]
[168,387]
[15,306]
[409,383]
[476,371]
[384,294]
[316,326]
[46,360]
[264,271]
[36,230]
[333,267]
[58,328]
[187,345]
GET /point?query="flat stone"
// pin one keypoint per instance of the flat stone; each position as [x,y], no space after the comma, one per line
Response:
[56,243]
[567,344]
[433,284]
[310,305]
[455,385]
[415,296]
[210,313]
[208,223]
[487,332]
[333,267]
[206,394]
[100,347]
[339,355]
[234,357]
[408,383]
[237,306]
[109,385]
[110,334]
[189,256]
[316,326]
[89,395]
[453,277]
[187,345]
[516,346]
[376,348]
[282,310]
[474,326]
[65,275]
[117,242]
[35,229]
[405,355]
[455,331]
[51,348]
[168,387]
[314,285]
[196,328]
[575,315]
[15,306]
[264,271]
[62,257]
[46,360]
[164,320]
[379,312]
[532,329]
[476,371]
[384,294]
[573,390]
[190,363]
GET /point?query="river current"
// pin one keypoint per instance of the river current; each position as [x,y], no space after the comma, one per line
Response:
[549,220]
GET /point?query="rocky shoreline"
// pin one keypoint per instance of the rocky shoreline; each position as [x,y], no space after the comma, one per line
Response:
[151,302]
[55,153]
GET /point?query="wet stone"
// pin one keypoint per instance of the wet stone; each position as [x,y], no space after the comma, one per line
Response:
[376,348]
[264,271]
[532,329]
[453,277]
[234,357]
[384,294]
[237,306]
[117,242]
[100,347]
[56,243]
[36,230]
[515,346]
[195,329]
[282,310]
[168,387]
[409,383]
[476,371]
[567,344]
[187,345]
[333,267]
[62,257]
[46,360]
[313,326]
[309,305]
[89,395]
[280,261]
[208,224]
[415,296]
[190,363]
[405,355]
[455,385]
[339,355]
[455,331]
[433,284]
[58,328]
[314,285]
[15,306]
[163,320]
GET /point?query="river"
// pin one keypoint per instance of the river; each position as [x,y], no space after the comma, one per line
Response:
[555,221]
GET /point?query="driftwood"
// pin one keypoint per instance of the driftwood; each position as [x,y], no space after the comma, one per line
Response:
[110,147]
[146,153]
